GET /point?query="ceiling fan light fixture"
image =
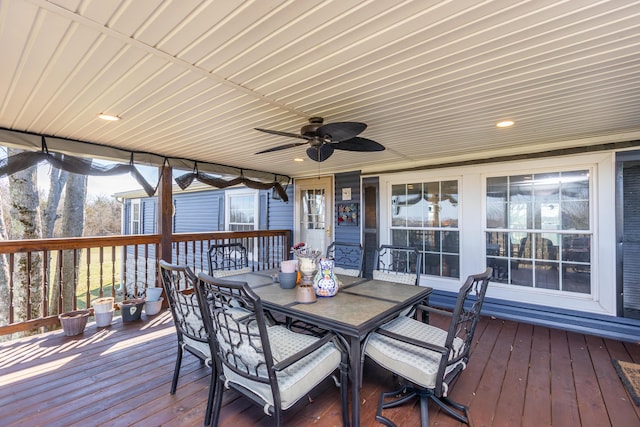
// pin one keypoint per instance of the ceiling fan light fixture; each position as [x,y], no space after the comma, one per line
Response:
[108,117]
[505,123]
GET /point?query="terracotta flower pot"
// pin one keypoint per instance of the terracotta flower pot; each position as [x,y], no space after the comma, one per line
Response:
[74,322]
[305,294]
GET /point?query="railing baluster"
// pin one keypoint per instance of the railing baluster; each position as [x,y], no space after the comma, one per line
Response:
[46,258]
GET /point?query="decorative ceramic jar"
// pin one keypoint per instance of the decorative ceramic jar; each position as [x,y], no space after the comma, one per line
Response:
[325,283]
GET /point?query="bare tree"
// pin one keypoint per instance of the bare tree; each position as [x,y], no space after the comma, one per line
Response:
[25,214]
[4,276]
[72,226]
[103,217]
[57,180]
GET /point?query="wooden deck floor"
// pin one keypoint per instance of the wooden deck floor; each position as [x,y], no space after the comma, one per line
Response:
[519,375]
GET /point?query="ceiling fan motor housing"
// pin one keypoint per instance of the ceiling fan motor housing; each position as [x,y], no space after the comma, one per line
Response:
[310,129]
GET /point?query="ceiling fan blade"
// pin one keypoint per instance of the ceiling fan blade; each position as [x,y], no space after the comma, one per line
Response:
[358,144]
[341,131]
[277,132]
[321,153]
[282,147]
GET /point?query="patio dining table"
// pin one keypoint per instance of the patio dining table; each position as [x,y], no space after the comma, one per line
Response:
[358,308]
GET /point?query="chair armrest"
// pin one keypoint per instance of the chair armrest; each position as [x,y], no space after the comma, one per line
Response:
[433,310]
[302,353]
[412,341]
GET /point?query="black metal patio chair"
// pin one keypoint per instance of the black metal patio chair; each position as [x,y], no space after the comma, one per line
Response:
[227,259]
[399,264]
[426,358]
[348,258]
[271,365]
[179,285]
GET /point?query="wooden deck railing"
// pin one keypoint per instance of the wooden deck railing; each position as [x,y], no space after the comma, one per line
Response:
[51,276]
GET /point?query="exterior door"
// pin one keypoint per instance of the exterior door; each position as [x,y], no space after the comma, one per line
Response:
[628,235]
[314,212]
[370,231]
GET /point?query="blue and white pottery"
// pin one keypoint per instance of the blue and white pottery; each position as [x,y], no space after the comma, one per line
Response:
[326,283]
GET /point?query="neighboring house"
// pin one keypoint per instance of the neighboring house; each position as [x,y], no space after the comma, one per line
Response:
[201,208]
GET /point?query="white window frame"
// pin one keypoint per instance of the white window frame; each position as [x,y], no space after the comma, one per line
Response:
[230,194]
[132,217]
[472,224]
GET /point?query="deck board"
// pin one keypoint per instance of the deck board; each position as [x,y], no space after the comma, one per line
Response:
[519,375]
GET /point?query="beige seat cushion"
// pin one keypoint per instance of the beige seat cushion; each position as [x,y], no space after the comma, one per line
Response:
[346,271]
[299,378]
[406,278]
[416,364]
[224,273]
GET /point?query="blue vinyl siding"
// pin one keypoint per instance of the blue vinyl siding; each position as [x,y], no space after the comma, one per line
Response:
[149,218]
[280,214]
[350,180]
[198,211]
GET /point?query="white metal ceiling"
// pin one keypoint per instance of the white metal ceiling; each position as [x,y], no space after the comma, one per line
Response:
[192,78]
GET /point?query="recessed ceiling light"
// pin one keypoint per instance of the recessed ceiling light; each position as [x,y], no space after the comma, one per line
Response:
[108,117]
[505,123]
[298,159]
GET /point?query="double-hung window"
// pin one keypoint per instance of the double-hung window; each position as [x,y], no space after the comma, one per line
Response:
[242,210]
[425,215]
[136,215]
[538,230]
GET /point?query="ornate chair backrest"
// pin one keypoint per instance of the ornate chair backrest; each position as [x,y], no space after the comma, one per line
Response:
[464,320]
[348,258]
[179,285]
[241,340]
[227,257]
[398,264]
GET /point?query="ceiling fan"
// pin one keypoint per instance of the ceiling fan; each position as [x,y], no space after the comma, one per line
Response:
[323,139]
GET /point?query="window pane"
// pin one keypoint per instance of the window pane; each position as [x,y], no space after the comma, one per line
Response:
[241,212]
[576,278]
[432,196]
[451,266]
[415,206]
[521,245]
[399,238]
[448,206]
[450,242]
[547,275]
[575,185]
[557,201]
[522,273]
[415,238]
[398,206]
[431,241]
[496,215]
[420,214]
[575,215]
[519,215]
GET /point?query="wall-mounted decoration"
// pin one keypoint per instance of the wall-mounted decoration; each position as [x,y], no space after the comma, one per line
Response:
[348,213]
